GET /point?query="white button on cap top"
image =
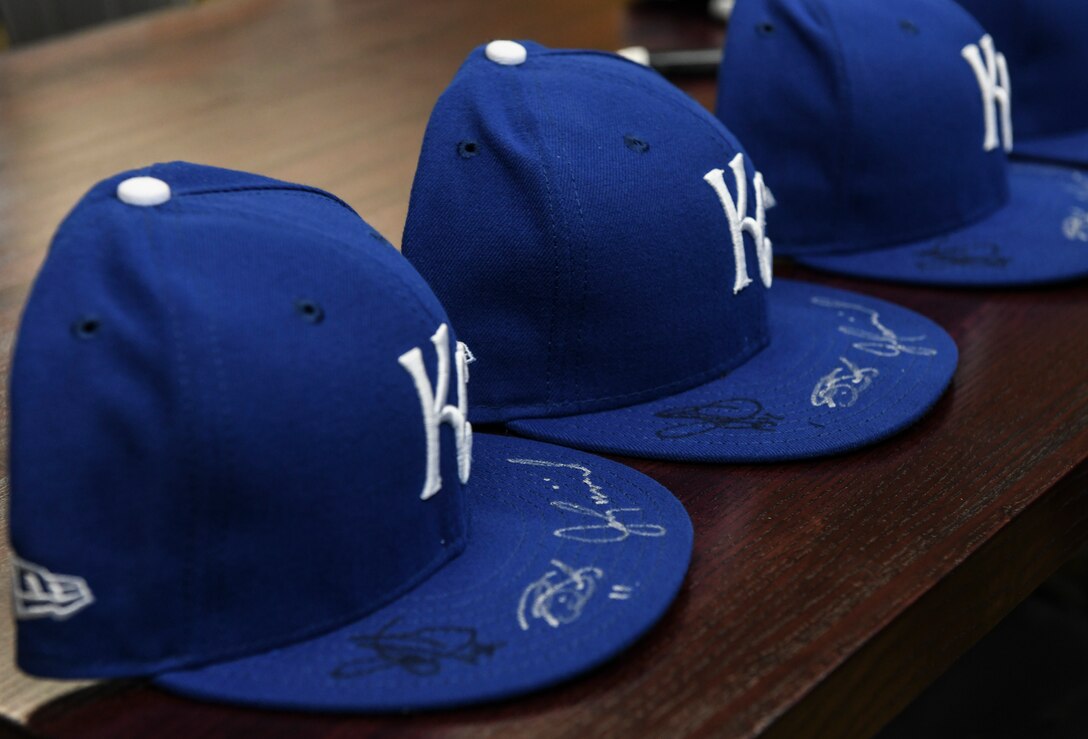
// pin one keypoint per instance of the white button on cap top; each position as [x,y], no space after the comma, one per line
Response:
[636,54]
[510,53]
[143,191]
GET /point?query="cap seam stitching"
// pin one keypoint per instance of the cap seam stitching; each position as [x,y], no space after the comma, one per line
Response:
[845,89]
[680,101]
[555,240]
[187,410]
[279,189]
[415,303]
[583,297]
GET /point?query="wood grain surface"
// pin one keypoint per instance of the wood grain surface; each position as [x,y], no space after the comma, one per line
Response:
[822,596]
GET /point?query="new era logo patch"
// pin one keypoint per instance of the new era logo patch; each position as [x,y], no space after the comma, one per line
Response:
[40,593]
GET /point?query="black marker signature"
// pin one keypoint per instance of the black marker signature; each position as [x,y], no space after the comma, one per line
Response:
[735,413]
[942,255]
[421,652]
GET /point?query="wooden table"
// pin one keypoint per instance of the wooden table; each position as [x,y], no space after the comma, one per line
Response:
[823,595]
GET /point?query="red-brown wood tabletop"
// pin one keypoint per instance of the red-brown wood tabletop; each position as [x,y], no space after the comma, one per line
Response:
[823,596]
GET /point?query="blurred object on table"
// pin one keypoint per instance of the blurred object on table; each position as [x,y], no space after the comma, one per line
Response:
[32,20]
[677,37]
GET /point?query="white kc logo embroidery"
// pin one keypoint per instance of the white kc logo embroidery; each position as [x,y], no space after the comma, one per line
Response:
[993,78]
[436,411]
[740,222]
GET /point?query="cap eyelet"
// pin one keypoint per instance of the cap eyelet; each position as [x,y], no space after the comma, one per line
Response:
[909,27]
[86,327]
[766,28]
[467,149]
[309,311]
[634,143]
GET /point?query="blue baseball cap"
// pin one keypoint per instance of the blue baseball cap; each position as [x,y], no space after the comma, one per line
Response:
[1044,42]
[599,239]
[241,466]
[883,129]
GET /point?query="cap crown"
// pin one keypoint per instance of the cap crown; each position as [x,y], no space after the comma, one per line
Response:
[214,446]
[1045,42]
[561,213]
[866,118]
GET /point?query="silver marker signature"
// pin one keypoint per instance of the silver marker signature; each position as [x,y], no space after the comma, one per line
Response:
[559,596]
[882,343]
[1075,225]
[1078,188]
[841,387]
[595,492]
[611,530]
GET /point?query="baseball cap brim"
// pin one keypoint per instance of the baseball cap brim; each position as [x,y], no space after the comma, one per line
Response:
[570,559]
[1070,149]
[1040,236]
[842,371]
